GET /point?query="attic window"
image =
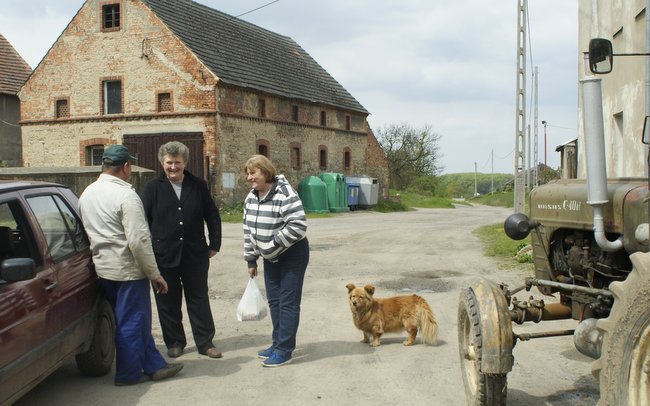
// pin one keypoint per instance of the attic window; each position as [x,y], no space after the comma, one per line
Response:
[111,17]
[164,102]
[323,118]
[347,122]
[294,113]
[261,108]
[62,108]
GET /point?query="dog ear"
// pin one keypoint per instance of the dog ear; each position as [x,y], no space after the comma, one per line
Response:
[370,289]
[350,286]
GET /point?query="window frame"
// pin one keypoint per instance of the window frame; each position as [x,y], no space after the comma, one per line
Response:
[116,17]
[105,96]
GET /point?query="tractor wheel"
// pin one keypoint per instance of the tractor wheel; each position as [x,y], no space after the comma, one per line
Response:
[480,388]
[623,368]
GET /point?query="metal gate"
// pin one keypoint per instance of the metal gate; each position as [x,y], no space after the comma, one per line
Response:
[145,148]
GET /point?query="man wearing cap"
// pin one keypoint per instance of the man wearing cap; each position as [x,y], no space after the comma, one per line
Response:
[114,219]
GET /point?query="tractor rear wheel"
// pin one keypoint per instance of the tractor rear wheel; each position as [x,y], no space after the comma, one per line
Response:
[623,369]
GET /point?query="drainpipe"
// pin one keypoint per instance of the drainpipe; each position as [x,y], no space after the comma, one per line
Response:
[595,157]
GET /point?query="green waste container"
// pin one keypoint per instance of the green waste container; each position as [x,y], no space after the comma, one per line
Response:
[313,193]
[337,197]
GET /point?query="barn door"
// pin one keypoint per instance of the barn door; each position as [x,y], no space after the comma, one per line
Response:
[145,148]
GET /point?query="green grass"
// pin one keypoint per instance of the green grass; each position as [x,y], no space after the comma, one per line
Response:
[410,199]
[501,199]
[497,244]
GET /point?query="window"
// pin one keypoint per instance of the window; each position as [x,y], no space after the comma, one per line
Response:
[164,102]
[263,148]
[111,17]
[261,108]
[62,229]
[322,157]
[347,159]
[323,118]
[294,113]
[94,155]
[295,155]
[347,122]
[62,109]
[112,96]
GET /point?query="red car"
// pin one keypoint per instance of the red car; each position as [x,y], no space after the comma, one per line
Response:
[51,306]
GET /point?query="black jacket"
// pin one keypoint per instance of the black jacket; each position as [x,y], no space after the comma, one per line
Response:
[178,226]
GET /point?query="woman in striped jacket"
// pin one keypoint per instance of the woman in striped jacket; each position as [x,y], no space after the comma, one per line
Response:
[275,229]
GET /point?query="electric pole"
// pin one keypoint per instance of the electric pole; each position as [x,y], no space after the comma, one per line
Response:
[520,139]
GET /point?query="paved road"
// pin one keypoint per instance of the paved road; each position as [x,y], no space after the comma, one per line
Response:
[430,251]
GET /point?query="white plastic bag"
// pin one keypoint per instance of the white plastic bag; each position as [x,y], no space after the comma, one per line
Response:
[252,305]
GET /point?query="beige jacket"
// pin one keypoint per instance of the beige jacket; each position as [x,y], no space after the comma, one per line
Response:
[120,240]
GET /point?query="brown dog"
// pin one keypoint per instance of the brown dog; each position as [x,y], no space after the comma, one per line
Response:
[375,317]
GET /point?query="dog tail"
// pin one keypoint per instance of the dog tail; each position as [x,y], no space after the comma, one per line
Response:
[428,323]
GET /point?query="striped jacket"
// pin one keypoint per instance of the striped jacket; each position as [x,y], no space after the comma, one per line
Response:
[273,224]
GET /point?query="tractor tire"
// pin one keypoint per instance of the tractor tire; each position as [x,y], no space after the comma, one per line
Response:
[480,388]
[98,360]
[623,369]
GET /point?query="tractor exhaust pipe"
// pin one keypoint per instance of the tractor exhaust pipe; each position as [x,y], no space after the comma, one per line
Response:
[592,103]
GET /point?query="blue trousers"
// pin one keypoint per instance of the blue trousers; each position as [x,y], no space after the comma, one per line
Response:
[283,281]
[135,350]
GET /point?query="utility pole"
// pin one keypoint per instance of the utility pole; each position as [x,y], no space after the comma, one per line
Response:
[492,178]
[520,140]
[535,159]
[475,180]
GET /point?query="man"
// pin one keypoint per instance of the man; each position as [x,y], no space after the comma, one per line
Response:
[114,219]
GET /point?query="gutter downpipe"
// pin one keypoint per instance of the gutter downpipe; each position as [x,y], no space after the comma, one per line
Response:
[596,164]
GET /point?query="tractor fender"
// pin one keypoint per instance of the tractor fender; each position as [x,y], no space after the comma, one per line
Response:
[496,328]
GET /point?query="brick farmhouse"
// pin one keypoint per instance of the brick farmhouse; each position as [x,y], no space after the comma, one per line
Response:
[143,72]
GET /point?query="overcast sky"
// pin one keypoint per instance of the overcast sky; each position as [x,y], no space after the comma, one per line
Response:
[448,64]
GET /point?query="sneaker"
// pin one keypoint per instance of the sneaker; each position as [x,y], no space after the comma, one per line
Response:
[167,371]
[276,360]
[264,354]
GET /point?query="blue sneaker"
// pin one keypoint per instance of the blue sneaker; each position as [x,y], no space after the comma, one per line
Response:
[264,354]
[276,360]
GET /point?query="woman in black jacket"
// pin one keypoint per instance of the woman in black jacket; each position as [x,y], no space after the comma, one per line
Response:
[178,206]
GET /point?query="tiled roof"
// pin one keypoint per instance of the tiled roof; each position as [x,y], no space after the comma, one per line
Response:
[245,55]
[14,71]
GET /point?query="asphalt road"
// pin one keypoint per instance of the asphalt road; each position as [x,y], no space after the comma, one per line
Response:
[430,251]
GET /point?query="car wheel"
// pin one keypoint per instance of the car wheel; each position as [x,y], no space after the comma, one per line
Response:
[98,360]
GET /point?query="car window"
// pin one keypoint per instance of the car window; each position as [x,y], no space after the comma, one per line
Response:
[61,228]
[16,239]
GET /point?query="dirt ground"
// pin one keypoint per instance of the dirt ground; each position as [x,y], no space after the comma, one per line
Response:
[430,251]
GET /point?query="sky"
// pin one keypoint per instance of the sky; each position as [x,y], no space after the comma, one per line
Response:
[450,65]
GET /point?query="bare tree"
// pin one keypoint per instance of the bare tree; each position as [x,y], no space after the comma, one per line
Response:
[411,152]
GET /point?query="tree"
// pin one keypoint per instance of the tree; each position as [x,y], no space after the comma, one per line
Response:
[411,152]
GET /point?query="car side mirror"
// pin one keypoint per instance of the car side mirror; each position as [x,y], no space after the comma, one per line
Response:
[601,56]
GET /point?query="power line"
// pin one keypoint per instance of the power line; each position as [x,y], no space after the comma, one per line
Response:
[255,9]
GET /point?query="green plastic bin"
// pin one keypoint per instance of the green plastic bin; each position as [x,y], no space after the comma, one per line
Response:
[313,193]
[337,197]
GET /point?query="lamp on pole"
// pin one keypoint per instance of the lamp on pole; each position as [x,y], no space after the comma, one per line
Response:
[544,123]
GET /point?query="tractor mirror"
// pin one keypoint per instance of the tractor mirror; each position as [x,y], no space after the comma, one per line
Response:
[600,56]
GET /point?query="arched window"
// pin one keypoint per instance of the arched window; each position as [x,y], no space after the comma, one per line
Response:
[322,157]
[263,148]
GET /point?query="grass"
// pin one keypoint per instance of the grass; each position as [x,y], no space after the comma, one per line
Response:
[497,244]
[410,199]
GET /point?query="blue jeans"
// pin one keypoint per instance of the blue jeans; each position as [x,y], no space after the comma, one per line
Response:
[135,350]
[283,282]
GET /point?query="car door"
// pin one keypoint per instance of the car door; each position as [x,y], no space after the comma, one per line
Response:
[23,304]
[73,293]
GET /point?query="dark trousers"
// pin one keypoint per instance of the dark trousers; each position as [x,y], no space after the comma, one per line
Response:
[283,281]
[135,350]
[191,279]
